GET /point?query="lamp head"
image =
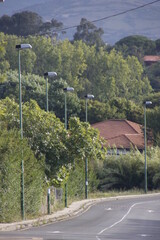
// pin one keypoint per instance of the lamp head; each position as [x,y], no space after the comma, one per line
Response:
[147,103]
[68,89]
[23,46]
[89,96]
[50,74]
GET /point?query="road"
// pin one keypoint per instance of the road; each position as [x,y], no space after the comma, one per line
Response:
[132,218]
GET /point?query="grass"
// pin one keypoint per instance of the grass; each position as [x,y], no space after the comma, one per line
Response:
[60,205]
[114,193]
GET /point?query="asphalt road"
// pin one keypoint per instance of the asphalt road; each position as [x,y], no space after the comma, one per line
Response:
[132,218]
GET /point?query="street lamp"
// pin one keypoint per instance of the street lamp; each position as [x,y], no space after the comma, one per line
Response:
[67,89]
[21,47]
[145,143]
[87,97]
[46,75]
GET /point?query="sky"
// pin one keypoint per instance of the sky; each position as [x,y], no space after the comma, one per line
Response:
[144,21]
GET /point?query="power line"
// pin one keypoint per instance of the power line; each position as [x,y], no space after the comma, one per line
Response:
[107,17]
[114,15]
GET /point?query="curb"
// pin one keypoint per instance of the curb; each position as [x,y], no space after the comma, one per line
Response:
[75,209]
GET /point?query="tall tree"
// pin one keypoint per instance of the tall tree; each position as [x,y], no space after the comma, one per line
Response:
[21,24]
[51,28]
[89,33]
[28,23]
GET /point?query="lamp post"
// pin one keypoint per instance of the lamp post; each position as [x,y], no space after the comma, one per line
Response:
[87,97]
[46,75]
[145,144]
[21,47]
[68,89]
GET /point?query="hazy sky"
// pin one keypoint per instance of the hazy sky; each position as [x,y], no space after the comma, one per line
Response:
[144,21]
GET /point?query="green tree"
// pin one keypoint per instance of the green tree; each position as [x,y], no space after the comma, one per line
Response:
[50,28]
[136,44]
[57,100]
[84,141]
[21,24]
[28,57]
[153,73]
[113,76]
[126,109]
[33,87]
[45,133]
[97,111]
[89,33]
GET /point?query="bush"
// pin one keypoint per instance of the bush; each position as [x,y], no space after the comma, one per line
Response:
[127,171]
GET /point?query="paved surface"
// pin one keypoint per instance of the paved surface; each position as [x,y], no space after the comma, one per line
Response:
[73,210]
[131,217]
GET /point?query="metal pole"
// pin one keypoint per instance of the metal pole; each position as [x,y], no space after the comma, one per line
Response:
[86,110]
[46,94]
[20,95]
[65,194]
[145,147]
[48,201]
[65,94]
[21,129]
[65,110]
[86,165]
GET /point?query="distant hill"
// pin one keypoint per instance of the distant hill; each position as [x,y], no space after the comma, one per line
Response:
[144,21]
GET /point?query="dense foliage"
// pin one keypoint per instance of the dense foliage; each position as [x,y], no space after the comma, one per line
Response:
[47,136]
[27,23]
[89,33]
[127,171]
[10,177]
[108,76]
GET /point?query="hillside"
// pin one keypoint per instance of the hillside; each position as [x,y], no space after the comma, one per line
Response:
[144,21]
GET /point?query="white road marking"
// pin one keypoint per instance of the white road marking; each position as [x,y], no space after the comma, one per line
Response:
[150,211]
[108,209]
[55,232]
[37,238]
[145,235]
[98,238]
[114,224]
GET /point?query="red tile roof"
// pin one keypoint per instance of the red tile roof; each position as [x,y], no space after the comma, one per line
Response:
[151,58]
[121,133]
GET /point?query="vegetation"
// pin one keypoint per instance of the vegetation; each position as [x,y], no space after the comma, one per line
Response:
[27,23]
[80,66]
[10,177]
[126,172]
[89,33]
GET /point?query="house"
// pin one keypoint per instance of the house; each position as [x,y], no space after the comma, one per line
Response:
[150,59]
[121,135]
